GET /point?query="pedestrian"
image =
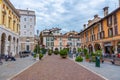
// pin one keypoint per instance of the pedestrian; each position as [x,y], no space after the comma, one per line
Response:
[1,60]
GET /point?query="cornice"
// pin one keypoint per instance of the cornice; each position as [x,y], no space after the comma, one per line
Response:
[12,7]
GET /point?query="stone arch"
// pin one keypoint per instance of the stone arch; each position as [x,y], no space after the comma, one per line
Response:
[90,48]
[97,47]
[56,49]
[3,40]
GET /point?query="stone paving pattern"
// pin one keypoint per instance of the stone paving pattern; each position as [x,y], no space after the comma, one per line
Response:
[55,68]
[108,70]
[10,68]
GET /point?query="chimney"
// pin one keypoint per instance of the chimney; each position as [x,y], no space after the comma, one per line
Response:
[89,21]
[84,26]
[105,11]
[96,16]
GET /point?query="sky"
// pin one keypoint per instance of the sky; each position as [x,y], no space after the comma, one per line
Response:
[68,15]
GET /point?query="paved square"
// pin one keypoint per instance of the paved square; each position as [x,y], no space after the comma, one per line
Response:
[55,68]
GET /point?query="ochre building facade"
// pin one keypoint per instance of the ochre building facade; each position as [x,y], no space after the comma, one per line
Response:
[102,33]
[9,28]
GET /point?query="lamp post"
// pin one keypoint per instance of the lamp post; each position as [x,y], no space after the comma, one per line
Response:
[37,40]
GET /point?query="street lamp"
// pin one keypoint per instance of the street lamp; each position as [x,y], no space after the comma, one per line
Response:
[37,40]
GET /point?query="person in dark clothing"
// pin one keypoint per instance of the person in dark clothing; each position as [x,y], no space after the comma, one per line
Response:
[1,60]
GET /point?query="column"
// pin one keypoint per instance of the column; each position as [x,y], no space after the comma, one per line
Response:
[6,47]
[0,45]
[93,47]
[102,48]
[116,46]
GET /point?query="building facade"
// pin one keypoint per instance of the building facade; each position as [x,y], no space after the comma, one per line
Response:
[103,33]
[53,39]
[27,29]
[9,28]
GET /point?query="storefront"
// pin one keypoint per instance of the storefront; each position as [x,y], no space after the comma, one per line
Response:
[108,48]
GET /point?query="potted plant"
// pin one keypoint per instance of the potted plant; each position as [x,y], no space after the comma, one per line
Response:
[79,50]
[56,52]
[40,56]
[93,57]
[34,55]
[63,53]
[85,51]
[49,52]
[79,59]
[87,57]
[98,53]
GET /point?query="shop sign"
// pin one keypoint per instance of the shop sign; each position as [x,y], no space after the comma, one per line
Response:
[108,44]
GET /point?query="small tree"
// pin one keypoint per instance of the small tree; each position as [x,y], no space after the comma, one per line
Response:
[98,53]
[37,49]
[64,53]
[85,51]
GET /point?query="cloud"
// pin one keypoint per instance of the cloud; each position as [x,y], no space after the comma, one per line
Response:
[68,14]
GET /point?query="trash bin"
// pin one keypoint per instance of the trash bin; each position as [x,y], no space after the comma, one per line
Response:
[97,63]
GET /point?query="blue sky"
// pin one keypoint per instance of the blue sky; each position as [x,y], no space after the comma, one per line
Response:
[66,14]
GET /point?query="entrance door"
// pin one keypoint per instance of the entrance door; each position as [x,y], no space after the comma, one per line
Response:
[27,47]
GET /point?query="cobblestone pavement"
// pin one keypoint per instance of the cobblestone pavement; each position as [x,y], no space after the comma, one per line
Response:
[55,68]
[111,72]
[10,68]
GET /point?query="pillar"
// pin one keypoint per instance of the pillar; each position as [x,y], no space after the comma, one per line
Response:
[102,48]
[93,47]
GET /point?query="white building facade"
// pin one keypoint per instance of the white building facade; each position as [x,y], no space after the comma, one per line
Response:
[27,30]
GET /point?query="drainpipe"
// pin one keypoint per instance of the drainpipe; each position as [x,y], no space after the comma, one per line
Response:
[119,3]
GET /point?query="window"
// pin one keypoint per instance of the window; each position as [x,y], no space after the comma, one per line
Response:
[70,44]
[109,21]
[24,19]
[30,33]
[47,38]
[78,44]
[3,19]
[3,6]
[30,19]
[116,30]
[115,19]
[52,39]
[24,32]
[100,27]
[24,26]
[9,20]
[13,25]
[60,39]
[17,27]
[69,39]
[60,43]
[110,32]
[52,43]
[30,26]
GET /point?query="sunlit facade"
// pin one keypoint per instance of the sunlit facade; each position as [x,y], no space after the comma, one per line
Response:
[9,28]
[102,33]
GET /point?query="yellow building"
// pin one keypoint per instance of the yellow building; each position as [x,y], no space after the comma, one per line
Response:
[9,28]
[103,33]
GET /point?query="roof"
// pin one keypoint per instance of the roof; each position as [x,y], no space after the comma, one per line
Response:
[101,19]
